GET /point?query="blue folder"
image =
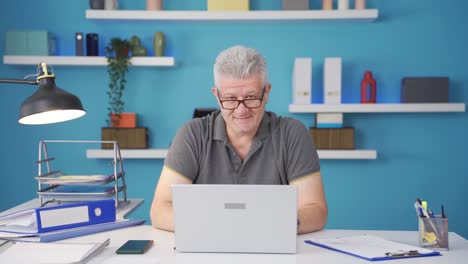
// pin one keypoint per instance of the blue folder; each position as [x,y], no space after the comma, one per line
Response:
[52,218]
[73,232]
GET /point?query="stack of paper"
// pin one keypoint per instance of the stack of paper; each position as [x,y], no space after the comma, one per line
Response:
[59,178]
[51,252]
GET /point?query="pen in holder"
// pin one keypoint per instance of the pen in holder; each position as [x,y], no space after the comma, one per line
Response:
[433,232]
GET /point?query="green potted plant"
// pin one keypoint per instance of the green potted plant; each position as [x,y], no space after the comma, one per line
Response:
[121,126]
[118,60]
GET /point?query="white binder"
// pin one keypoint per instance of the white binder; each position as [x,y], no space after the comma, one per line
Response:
[302,81]
[332,81]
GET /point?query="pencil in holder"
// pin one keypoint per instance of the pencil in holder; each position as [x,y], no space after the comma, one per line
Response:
[433,232]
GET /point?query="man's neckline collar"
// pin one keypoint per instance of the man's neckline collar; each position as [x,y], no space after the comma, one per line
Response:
[220,133]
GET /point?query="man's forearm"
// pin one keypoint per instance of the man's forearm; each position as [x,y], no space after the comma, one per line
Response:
[312,217]
[162,216]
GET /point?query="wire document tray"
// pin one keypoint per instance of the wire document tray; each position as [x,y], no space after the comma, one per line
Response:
[57,177]
[57,186]
[71,193]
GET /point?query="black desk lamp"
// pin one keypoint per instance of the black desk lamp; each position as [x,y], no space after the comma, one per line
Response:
[49,104]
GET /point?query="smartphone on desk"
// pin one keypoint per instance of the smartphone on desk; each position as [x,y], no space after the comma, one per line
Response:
[134,247]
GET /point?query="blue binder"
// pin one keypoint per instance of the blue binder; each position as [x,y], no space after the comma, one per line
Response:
[53,218]
[73,232]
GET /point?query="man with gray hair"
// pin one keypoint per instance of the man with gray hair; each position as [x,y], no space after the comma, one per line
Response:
[243,144]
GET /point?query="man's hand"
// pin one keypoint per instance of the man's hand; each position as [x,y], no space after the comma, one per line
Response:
[162,213]
[311,204]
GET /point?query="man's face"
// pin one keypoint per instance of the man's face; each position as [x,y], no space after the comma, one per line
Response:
[242,120]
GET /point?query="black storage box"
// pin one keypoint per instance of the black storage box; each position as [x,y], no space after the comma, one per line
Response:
[424,90]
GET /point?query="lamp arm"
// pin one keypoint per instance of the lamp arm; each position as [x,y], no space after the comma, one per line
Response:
[18,81]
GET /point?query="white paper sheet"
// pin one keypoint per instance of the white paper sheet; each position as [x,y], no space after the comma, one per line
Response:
[24,252]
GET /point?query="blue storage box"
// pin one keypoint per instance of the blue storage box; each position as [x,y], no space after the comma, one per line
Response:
[27,42]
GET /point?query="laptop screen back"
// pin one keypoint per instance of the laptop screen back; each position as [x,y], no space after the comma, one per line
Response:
[235,218]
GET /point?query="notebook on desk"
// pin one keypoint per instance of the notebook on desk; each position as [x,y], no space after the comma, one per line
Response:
[235,218]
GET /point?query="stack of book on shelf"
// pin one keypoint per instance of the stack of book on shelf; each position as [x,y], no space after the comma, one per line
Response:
[51,223]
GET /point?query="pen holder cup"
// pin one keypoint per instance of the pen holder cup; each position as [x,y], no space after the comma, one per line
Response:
[433,233]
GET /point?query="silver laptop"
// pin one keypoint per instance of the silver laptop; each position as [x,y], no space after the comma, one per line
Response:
[235,218]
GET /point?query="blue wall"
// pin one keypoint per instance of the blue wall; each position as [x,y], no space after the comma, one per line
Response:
[419,155]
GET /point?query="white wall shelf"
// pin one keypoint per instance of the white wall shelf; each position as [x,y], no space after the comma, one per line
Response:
[347,154]
[335,15]
[127,153]
[378,108]
[161,154]
[86,60]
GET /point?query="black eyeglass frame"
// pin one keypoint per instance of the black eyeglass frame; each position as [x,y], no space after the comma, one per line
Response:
[242,101]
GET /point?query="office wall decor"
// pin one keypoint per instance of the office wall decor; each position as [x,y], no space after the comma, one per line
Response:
[425,90]
[343,4]
[228,5]
[96,4]
[302,81]
[111,4]
[295,4]
[332,80]
[118,58]
[123,120]
[159,44]
[128,138]
[333,138]
[359,4]
[368,89]
[136,48]
[154,4]
[92,44]
[327,4]
[30,42]
[79,44]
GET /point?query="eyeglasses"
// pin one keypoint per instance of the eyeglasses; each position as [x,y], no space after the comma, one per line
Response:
[249,102]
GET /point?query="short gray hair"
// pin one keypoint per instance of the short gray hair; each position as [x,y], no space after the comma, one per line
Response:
[241,63]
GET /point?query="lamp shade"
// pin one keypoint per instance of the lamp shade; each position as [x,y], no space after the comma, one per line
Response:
[50,104]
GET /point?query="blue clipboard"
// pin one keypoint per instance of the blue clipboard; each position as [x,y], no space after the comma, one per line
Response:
[388,251]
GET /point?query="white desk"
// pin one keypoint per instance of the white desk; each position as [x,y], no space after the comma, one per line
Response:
[163,249]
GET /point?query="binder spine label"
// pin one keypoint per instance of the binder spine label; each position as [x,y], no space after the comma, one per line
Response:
[64,216]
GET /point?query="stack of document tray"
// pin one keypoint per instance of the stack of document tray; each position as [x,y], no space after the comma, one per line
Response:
[58,187]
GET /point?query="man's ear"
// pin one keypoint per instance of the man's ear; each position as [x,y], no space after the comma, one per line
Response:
[267,92]
[268,88]
[214,91]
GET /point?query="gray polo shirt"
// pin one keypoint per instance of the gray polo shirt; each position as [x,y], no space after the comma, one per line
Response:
[282,151]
